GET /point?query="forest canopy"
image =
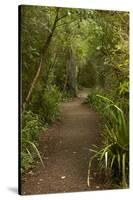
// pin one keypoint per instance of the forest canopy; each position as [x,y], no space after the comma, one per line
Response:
[63,41]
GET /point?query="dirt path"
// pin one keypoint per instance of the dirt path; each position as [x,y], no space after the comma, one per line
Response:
[65,151]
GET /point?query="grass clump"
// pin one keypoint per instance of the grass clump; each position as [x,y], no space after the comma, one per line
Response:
[113,155]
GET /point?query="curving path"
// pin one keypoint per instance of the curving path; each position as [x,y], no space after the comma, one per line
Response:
[65,151]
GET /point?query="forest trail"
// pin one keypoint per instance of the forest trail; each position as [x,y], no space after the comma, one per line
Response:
[65,152]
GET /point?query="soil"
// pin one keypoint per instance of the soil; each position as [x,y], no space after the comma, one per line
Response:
[65,150]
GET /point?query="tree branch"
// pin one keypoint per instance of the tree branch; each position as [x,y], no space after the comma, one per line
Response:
[66,23]
[43,53]
[62,17]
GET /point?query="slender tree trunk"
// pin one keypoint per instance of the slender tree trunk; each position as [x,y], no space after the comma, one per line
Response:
[72,74]
[33,83]
[44,51]
[66,78]
[65,84]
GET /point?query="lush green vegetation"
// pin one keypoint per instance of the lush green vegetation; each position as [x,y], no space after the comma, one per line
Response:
[113,155]
[31,127]
[63,50]
[110,99]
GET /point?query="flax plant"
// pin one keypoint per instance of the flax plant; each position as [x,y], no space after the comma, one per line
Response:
[114,153]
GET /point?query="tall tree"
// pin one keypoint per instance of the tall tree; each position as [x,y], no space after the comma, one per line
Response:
[43,53]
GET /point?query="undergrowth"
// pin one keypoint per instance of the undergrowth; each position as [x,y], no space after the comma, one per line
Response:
[113,154]
[31,127]
[42,110]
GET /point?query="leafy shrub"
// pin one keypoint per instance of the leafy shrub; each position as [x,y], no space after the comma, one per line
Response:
[97,103]
[45,103]
[66,96]
[30,130]
[114,153]
[124,87]
[45,109]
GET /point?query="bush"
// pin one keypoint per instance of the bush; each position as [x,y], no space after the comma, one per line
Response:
[45,103]
[97,103]
[30,130]
[45,109]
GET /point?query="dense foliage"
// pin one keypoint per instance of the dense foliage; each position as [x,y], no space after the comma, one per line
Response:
[65,49]
[113,80]
[113,154]
[31,127]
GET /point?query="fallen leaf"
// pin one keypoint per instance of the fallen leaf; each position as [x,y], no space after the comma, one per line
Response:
[74,152]
[63,177]
[31,173]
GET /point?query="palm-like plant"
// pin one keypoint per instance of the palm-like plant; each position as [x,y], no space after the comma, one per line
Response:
[115,149]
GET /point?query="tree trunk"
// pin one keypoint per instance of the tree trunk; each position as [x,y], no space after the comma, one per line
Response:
[66,79]
[72,74]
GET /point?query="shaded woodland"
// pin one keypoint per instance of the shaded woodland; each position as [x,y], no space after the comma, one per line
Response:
[62,51]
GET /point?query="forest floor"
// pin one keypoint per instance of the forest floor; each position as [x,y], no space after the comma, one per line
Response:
[65,151]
